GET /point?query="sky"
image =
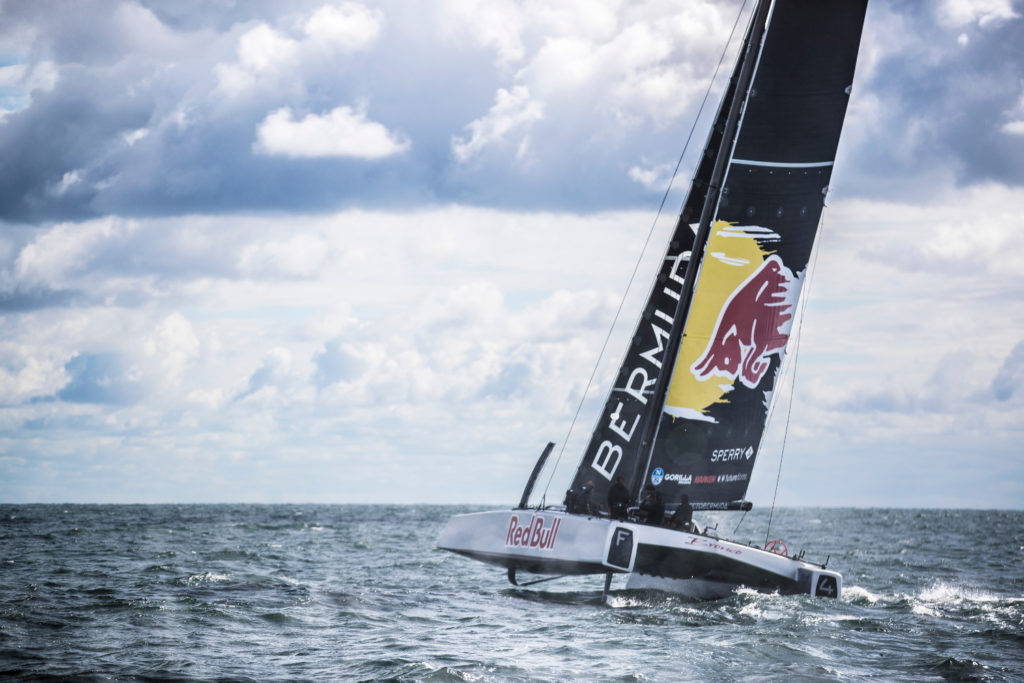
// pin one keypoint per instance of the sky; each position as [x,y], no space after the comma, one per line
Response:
[361,252]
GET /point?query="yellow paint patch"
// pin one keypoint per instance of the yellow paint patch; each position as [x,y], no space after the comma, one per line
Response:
[732,255]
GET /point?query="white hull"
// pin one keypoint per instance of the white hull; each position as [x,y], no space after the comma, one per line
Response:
[694,565]
[542,542]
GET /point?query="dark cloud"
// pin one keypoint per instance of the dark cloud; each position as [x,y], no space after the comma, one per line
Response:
[22,300]
[944,93]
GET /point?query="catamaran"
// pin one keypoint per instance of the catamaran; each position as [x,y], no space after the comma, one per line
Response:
[688,408]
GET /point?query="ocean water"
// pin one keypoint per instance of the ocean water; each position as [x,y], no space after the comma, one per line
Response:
[337,592]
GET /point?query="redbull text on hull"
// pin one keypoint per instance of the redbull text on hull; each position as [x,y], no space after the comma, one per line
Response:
[533,534]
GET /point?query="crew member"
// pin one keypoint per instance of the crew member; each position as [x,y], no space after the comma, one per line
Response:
[652,508]
[682,518]
[585,503]
[579,502]
[618,499]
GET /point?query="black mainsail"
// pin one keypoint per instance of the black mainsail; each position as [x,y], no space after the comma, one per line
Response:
[688,409]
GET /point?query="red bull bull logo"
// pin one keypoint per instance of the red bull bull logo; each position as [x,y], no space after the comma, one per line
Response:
[752,325]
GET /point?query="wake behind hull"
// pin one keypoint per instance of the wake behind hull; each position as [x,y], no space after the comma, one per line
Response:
[694,565]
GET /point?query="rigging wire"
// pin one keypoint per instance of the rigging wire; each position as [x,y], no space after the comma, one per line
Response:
[742,517]
[643,250]
[805,295]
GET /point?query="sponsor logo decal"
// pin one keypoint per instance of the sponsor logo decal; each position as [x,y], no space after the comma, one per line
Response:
[711,545]
[684,479]
[533,535]
[730,454]
[738,323]
[657,476]
[752,325]
[623,417]
[717,478]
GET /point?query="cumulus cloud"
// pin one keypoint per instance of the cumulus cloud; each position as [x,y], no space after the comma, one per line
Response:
[635,75]
[179,110]
[342,132]
[872,355]
[166,109]
[512,110]
[167,121]
[955,127]
[947,236]
[63,251]
[982,12]
[1015,124]
[654,178]
[496,25]
[426,323]
[414,312]
[114,260]
[632,62]
[261,50]
[300,256]
[613,69]
[265,55]
[212,250]
[172,347]
[347,27]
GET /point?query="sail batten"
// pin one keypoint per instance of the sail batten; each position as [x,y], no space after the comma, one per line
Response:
[782,164]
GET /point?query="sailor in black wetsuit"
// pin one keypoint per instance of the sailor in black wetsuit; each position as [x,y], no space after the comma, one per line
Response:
[618,499]
[579,502]
[682,518]
[652,508]
[583,502]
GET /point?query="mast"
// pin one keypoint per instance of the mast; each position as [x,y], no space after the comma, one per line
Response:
[742,88]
